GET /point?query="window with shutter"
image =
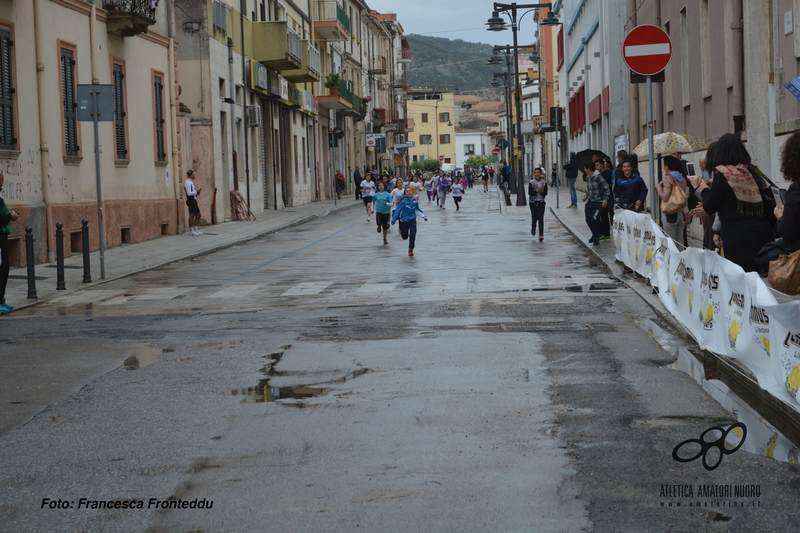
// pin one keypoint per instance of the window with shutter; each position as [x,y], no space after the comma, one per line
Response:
[119,112]
[7,139]
[158,92]
[69,103]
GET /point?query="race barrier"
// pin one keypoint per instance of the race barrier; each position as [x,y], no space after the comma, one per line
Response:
[727,311]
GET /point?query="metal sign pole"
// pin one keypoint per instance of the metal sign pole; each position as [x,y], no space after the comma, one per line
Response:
[651,162]
[558,178]
[100,232]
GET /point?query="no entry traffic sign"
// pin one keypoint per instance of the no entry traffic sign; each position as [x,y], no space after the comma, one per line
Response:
[647,49]
[496,150]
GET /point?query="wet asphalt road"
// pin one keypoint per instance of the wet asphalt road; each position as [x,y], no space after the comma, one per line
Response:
[319,380]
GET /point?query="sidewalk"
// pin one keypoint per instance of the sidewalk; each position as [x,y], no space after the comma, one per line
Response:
[121,261]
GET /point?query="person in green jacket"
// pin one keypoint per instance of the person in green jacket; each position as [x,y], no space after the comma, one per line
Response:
[6,217]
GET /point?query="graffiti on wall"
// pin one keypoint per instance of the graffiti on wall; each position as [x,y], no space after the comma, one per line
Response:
[23,183]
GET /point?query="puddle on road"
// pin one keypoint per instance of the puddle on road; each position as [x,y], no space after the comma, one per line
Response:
[264,393]
[668,341]
[762,439]
[143,356]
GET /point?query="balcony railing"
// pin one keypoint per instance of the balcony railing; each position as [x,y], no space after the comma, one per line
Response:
[138,7]
[379,66]
[314,63]
[404,55]
[346,92]
[295,45]
[129,17]
[331,10]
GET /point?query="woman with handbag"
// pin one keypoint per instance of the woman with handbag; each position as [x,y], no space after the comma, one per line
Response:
[737,194]
[784,272]
[672,191]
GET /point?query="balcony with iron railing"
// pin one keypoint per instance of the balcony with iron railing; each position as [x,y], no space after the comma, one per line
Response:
[277,46]
[331,21]
[378,66]
[127,18]
[404,55]
[310,69]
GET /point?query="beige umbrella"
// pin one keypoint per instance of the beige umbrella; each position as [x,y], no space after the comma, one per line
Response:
[670,142]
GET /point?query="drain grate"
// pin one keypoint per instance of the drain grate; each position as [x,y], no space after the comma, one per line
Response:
[545,326]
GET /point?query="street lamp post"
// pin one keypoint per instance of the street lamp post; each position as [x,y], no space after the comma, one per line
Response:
[496,59]
[496,23]
[507,90]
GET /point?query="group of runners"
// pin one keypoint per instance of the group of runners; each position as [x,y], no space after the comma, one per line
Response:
[392,199]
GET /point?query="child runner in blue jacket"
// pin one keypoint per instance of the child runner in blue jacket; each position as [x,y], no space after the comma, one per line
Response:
[407,211]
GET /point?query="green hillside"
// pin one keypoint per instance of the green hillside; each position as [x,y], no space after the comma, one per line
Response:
[440,62]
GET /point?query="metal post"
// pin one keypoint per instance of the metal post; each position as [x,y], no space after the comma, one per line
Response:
[521,199]
[242,8]
[101,233]
[558,177]
[87,274]
[60,283]
[654,209]
[31,269]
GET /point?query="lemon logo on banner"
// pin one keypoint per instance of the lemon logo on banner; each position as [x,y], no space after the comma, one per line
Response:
[793,381]
[648,256]
[765,344]
[773,441]
[733,332]
[674,292]
[691,301]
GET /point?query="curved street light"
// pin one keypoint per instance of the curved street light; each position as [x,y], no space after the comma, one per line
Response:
[497,23]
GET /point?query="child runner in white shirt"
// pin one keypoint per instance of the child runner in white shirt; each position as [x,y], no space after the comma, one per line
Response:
[457,189]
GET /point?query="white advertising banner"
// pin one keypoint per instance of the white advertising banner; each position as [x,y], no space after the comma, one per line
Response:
[729,312]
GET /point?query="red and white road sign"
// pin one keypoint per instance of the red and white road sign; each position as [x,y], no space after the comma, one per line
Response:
[441,158]
[495,150]
[647,49]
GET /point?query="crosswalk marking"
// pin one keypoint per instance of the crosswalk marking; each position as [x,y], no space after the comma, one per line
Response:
[374,288]
[428,289]
[236,291]
[308,289]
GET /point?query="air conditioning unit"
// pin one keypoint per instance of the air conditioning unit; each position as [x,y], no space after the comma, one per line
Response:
[253,116]
[368,127]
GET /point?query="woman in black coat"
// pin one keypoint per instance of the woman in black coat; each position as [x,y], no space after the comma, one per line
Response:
[736,195]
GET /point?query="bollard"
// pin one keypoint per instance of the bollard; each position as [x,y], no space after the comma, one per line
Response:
[87,273]
[31,270]
[60,283]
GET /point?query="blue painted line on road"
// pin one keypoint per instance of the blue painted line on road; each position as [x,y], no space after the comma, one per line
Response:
[287,254]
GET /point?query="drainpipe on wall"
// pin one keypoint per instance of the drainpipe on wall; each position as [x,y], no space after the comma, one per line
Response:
[234,140]
[737,61]
[173,117]
[174,107]
[246,133]
[633,107]
[43,146]
[658,97]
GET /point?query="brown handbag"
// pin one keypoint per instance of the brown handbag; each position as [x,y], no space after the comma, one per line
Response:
[784,273]
[677,200]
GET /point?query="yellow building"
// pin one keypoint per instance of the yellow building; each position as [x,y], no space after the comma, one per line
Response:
[434,132]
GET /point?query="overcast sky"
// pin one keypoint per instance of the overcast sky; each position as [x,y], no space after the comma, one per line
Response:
[452,20]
